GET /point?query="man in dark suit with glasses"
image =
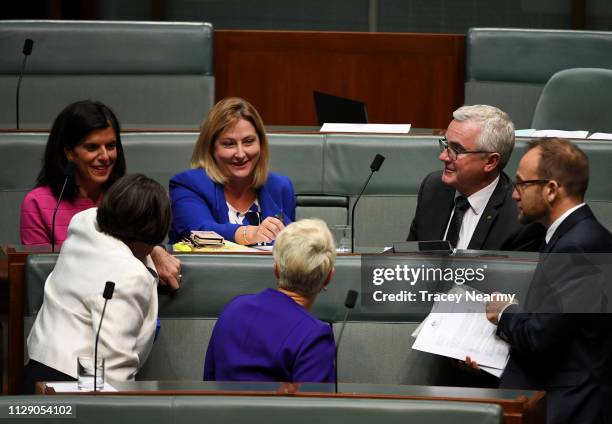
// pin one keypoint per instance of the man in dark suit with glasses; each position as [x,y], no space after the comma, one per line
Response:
[469,202]
[560,338]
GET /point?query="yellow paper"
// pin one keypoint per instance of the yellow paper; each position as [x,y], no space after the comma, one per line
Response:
[227,246]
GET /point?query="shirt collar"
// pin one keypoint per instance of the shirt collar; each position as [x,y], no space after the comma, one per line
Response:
[478,201]
[551,230]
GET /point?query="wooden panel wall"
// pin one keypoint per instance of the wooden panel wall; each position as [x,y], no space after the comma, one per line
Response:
[402,77]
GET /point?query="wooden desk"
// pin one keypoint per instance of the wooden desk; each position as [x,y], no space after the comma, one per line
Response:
[16,257]
[519,406]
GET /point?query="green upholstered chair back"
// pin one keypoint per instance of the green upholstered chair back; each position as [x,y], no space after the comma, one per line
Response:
[270,409]
[576,99]
[508,67]
[152,74]
[376,344]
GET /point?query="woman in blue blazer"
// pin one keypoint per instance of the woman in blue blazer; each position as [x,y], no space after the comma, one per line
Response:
[230,189]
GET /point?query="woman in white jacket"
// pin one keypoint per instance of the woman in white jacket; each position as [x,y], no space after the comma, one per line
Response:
[110,243]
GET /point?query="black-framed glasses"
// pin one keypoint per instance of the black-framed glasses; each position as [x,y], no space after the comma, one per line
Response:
[520,185]
[454,152]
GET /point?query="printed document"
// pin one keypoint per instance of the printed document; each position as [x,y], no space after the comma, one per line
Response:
[463,330]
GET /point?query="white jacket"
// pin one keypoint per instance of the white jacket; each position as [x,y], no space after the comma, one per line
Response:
[67,322]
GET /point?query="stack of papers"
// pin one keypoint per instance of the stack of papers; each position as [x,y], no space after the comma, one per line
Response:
[227,246]
[463,332]
[531,132]
[600,136]
[550,133]
[367,128]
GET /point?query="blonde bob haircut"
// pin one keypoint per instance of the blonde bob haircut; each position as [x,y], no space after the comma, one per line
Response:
[304,255]
[223,115]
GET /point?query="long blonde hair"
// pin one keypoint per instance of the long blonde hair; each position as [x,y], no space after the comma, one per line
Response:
[221,116]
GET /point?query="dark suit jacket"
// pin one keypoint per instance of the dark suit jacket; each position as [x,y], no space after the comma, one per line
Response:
[498,228]
[568,355]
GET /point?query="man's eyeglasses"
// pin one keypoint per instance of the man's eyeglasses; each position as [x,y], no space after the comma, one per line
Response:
[520,185]
[454,152]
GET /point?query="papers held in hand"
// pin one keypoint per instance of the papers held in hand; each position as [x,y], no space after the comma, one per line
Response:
[205,238]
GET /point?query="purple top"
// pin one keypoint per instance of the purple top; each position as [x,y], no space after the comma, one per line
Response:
[37,215]
[269,337]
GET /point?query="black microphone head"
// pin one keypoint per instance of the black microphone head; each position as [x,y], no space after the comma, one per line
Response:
[69,169]
[109,288]
[377,162]
[351,299]
[27,46]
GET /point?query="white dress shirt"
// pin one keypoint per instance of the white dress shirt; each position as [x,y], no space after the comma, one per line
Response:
[478,202]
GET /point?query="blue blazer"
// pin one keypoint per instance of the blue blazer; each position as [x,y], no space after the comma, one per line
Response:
[269,337]
[198,203]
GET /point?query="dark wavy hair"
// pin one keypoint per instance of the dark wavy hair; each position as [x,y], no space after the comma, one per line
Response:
[70,128]
[135,208]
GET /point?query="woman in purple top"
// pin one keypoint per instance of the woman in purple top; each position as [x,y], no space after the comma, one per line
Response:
[271,335]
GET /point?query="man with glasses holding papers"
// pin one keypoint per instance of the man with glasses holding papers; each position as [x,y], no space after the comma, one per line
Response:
[469,202]
[560,340]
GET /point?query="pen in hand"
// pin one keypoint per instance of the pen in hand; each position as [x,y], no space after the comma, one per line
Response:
[280,216]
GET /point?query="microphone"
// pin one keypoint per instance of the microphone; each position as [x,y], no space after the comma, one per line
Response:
[68,173]
[349,303]
[27,50]
[109,288]
[375,166]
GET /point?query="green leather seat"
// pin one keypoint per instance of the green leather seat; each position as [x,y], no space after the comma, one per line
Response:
[576,99]
[152,74]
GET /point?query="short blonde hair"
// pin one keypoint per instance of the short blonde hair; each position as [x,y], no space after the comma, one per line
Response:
[221,116]
[304,254]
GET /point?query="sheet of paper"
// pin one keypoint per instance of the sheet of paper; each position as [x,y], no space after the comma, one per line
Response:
[524,132]
[493,371]
[367,128]
[71,386]
[560,133]
[462,330]
[600,136]
[263,248]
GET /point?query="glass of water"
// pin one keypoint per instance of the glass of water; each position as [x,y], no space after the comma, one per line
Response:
[85,372]
[342,237]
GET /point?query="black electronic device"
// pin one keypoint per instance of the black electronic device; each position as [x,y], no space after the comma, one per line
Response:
[442,247]
[339,110]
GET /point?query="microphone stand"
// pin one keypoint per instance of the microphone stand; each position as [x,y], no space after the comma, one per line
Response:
[27,50]
[68,172]
[375,166]
[109,288]
[349,303]
[353,211]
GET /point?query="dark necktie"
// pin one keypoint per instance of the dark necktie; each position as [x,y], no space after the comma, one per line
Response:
[461,205]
